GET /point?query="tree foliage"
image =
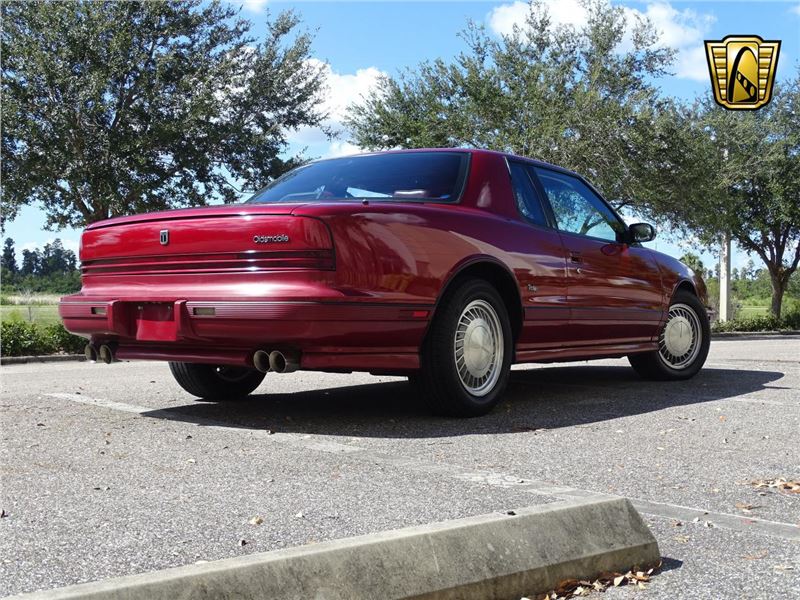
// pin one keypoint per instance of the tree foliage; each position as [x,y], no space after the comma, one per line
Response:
[580,98]
[111,108]
[52,268]
[746,169]
[694,262]
[8,264]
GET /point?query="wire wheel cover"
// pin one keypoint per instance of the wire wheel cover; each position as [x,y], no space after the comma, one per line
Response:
[478,347]
[680,341]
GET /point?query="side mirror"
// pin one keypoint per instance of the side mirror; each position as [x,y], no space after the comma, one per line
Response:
[641,232]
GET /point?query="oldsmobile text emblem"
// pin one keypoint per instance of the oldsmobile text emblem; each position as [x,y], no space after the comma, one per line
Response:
[280,238]
[742,69]
[164,237]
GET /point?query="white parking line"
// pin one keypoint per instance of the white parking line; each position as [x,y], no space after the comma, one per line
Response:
[121,406]
[503,480]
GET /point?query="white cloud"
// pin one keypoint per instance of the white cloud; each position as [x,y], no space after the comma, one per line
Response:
[343,89]
[346,88]
[254,5]
[562,12]
[691,63]
[678,29]
[683,30]
[795,9]
[340,148]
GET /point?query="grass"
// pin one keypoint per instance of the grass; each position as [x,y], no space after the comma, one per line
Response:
[45,314]
[31,298]
[31,308]
[753,311]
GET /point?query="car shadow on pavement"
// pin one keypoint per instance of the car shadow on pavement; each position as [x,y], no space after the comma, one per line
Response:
[538,398]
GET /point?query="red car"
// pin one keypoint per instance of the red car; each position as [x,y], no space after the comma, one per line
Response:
[447,266]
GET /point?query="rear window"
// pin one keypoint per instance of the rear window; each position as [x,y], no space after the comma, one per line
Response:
[421,176]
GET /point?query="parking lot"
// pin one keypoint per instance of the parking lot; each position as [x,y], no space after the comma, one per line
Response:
[113,470]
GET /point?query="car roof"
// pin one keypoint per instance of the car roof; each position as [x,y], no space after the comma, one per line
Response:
[473,151]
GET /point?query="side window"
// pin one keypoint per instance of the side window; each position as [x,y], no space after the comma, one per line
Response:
[577,209]
[525,195]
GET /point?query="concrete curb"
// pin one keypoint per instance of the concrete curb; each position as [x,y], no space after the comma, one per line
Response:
[767,335]
[489,557]
[21,360]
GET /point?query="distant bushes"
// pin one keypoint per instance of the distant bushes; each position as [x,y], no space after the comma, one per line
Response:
[20,338]
[788,321]
[56,283]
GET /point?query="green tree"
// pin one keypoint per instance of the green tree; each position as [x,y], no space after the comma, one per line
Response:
[31,262]
[55,259]
[584,99]
[9,259]
[695,263]
[746,170]
[111,108]
[749,269]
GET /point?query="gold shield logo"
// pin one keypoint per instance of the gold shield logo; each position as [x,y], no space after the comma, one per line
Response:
[742,69]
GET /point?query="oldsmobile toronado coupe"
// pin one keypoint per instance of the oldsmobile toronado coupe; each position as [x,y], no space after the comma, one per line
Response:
[446,266]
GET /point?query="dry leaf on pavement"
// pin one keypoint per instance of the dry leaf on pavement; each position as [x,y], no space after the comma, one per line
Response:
[780,484]
[574,588]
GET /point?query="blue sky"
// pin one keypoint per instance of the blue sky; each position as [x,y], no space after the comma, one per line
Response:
[361,40]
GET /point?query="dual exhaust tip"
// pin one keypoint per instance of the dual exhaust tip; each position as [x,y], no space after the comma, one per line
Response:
[264,361]
[276,361]
[103,353]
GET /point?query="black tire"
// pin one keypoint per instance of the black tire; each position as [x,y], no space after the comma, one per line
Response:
[216,383]
[654,365]
[439,381]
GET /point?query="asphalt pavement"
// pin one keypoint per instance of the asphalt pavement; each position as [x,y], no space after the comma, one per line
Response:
[108,470]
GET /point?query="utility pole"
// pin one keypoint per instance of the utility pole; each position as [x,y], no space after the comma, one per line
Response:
[725,279]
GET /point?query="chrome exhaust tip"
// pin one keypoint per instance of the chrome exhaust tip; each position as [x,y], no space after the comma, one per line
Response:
[90,352]
[261,361]
[283,363]
[106,354]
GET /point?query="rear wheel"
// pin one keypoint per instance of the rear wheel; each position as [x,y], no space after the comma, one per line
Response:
[682,343]
[466,360]
[216,382]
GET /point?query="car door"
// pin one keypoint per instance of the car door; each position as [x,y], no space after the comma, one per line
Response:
[539,265]
[613,289]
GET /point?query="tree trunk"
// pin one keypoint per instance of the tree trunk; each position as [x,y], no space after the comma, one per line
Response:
[778,288]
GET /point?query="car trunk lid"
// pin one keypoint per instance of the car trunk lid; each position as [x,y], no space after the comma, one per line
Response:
[233,238]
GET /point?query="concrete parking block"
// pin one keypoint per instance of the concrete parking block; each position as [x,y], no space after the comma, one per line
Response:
[495,556]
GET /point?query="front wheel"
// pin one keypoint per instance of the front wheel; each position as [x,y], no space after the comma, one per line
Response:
[466,360]
[216,383]
[683,342]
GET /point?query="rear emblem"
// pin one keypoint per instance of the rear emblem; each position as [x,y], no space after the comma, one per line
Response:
[280,238]
[164,237]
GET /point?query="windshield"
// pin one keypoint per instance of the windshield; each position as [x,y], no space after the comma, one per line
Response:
[431,176]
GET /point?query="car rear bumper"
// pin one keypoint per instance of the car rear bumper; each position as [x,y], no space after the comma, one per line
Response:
[328,335]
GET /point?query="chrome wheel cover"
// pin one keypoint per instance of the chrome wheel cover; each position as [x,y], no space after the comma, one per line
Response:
[478,348]
[680,340]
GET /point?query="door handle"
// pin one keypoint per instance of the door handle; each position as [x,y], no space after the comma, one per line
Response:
[575,257]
